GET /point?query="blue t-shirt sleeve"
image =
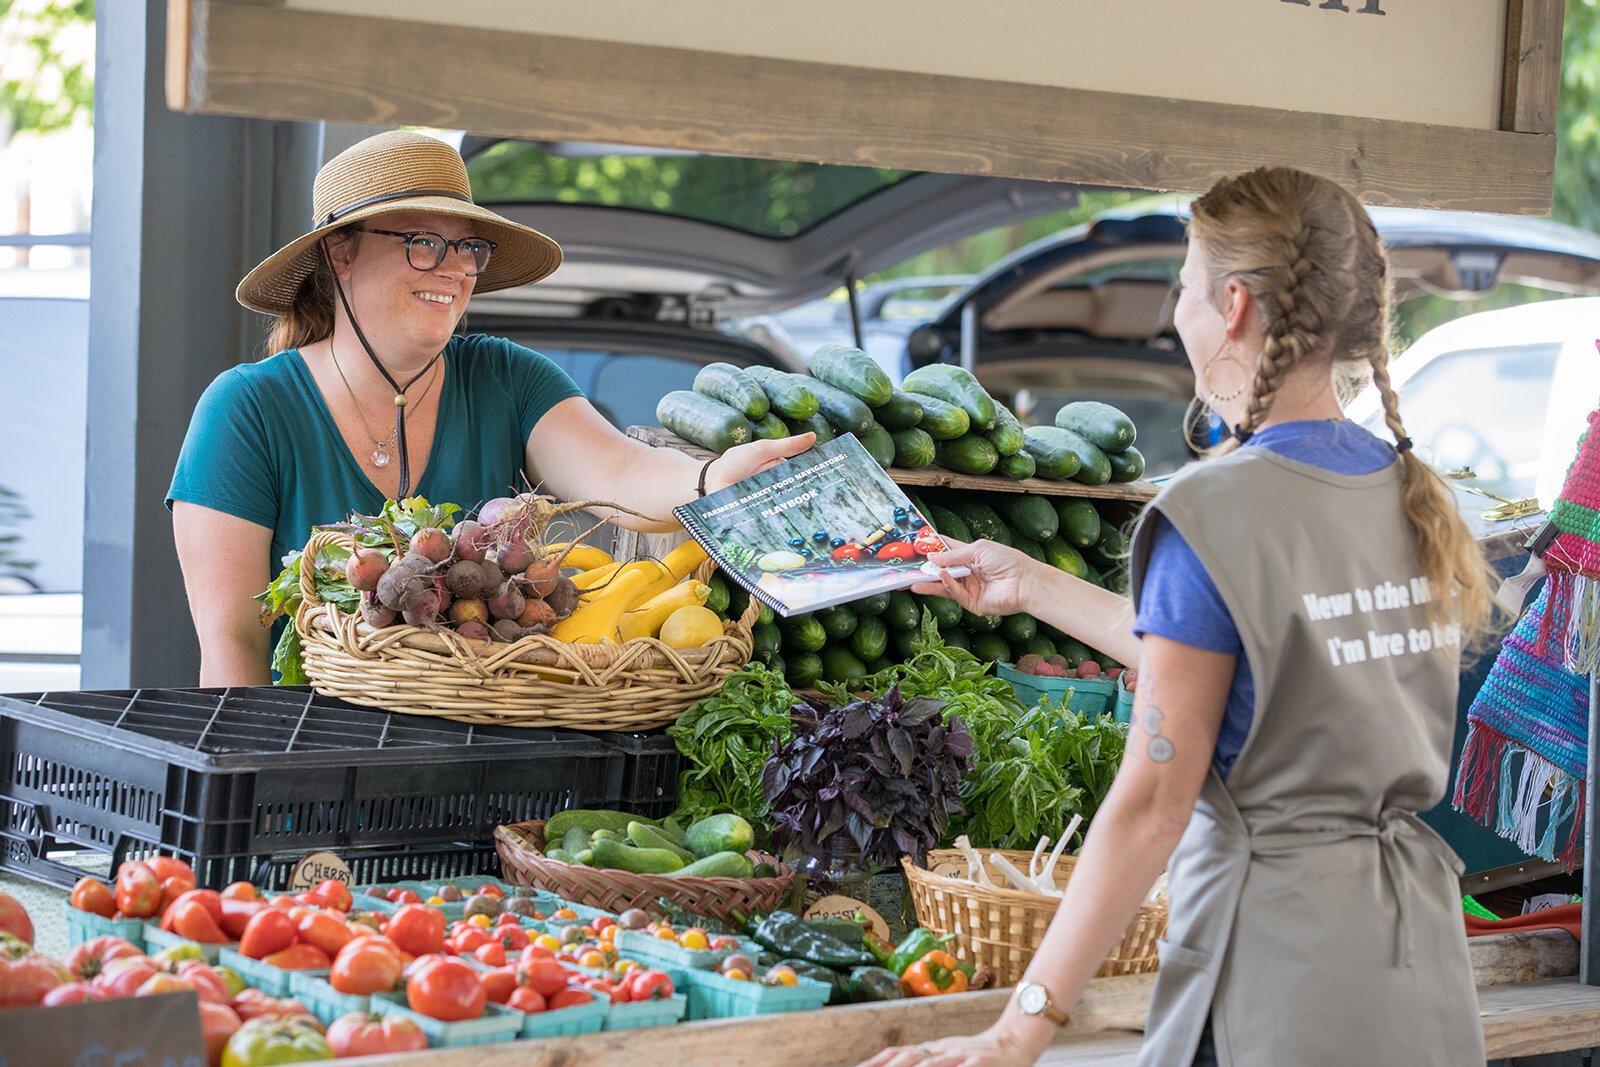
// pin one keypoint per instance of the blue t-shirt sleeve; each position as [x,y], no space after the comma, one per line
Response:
[226,463]
[537,384]
[1179,601]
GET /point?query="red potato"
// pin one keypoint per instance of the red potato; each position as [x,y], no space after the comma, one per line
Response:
[1089,669]
[364,568]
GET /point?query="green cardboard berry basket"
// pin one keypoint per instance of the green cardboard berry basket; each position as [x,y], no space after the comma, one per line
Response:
[711,996]
[497,1023]
[638,945]
[577,1019]
[1091,697]
[312,989]
[1123,711]
[156,939]
[84,925]
[273,981]
[640,1014]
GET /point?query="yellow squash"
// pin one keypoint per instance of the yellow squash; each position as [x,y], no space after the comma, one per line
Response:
[600,575]
[646,619]
[683,560]
[581,557]
[597,616]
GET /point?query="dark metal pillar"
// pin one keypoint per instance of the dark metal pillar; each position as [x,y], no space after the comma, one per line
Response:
[183,206]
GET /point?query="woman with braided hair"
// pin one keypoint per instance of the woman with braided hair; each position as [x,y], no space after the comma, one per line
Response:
[1300,602]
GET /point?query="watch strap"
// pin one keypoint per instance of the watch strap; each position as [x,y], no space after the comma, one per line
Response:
[1049,1010]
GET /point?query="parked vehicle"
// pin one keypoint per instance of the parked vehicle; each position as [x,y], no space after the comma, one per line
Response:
[889,310]
[1087,314]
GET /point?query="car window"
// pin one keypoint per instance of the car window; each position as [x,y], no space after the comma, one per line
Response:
[624,386]
[1482,408]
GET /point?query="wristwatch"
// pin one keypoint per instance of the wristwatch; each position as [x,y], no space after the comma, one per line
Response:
[1034,999]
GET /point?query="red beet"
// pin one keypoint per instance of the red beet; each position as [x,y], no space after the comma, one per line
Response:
[432,543]
[365,567]
[473,631]
[465,578]
[470,609]
[470,543]
[507,602]
[514,558]
[374,613]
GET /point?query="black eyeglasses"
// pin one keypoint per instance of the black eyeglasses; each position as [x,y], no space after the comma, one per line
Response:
[425,250]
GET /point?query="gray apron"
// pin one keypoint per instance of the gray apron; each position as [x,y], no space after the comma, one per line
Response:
[1313,917]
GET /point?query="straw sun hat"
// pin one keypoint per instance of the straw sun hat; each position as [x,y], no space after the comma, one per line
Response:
[397,171]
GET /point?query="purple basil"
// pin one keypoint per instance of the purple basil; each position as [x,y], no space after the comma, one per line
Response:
[886,772]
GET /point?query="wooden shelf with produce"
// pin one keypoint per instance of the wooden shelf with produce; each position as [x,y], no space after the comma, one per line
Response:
[937,477]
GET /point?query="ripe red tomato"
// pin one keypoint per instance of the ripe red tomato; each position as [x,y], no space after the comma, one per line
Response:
[240,891]
[14,919]
[544,976]
[365,966]
[417,929]
[512,938]
[88,959]
[301,956]
[24,981]
[525,999]
[601,922]
[446,989]
[467,940]
[269,930]
[897,551]
[236,915]
[321,929]
[647,985]
[254,1004]
[71,993]
[94,896]
[164,867]
[172,890]
[492,953]
[499,984]
[361,1034]
[217,1023]
[123,977]
[162,983]
[605,987]
[491,890]
[335,893]
[405,896]
[207,982]
[138,894]
[568,998]
[191,919]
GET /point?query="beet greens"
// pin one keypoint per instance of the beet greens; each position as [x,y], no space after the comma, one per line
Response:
[887,772]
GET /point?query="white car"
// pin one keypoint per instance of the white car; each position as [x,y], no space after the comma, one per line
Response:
[1506,393]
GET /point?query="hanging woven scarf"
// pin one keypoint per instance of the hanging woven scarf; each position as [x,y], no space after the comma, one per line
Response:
[1526,755]
[1571,625]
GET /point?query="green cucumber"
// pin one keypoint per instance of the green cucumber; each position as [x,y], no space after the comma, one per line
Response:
[590,819]
[957,386]
[719,833]
[956,637]
[1029,548]
[839,664]
[1007,436]
[560,855]
[802,633]
[879,445]
[1051,452]
[769,428]
[717,601]
[1027,514]
[1019,629]
[913,449]
[845,411]
[838,622]
[1093,466]
[1111,543]
[902,612]
[946,612]
[853,371]
[981,519]
[870,640]
[620,856]
[1019,468]
[969,455]
[815,424]
[1063,557]
[766,616]
[1127,465]
[991,648]
[1080,522]
[876,604]
[948,523]
[1105,427]
[718,865]
[979,624]
[902,412]
[789,394]
[575,840]
[735,388]
[1075,652]
[644,835]
[703,421]
[903,643]
[879,665]
[767,641]
[802,670]
[1039,645]
[776,664]
[941,420]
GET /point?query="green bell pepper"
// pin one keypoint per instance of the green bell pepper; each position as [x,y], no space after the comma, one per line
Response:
[267,1041]
[788,934]
[875,983]
[915,945]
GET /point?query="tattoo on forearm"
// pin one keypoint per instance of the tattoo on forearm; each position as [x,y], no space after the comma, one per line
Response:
[1160,750]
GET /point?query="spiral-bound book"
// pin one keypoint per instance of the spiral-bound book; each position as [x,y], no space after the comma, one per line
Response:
[824,528]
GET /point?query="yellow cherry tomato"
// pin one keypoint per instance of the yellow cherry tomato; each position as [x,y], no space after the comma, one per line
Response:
[593,959]
[608,936]
[695,939]
[549,941]
[666,934]
[781,976]
[736,975]
[624,966]
[436,899]
[481,920]
[565,913]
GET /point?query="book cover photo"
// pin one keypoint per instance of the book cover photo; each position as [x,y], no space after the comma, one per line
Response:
[824,528]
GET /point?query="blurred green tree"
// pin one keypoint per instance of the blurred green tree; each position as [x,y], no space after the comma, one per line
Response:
[46,64]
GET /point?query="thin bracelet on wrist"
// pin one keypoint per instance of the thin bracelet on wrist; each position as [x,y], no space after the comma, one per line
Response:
[700,486]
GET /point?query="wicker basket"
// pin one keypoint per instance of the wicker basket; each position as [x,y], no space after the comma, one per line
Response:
[534,681]
[1003,927]
[522,858]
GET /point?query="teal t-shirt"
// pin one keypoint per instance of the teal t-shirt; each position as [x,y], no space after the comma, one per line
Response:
[263,446]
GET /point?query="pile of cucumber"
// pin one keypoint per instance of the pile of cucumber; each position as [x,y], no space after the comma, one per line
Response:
[713,847]
[848,642]
[941,415]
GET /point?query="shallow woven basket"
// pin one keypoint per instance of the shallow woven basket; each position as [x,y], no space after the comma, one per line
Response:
[523,862]
[1003,927]
[534,681]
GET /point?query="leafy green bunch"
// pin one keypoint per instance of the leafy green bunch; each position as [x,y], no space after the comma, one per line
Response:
[727,739]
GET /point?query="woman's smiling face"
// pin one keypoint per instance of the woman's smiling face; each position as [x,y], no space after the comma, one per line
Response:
[410,308]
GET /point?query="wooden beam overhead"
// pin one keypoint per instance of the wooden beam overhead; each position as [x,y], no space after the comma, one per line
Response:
[245,57]
[1531,86]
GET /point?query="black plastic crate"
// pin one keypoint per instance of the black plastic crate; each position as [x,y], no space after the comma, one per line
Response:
[650,775]
[237,781]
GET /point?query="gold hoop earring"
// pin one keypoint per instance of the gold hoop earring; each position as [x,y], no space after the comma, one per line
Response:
[1211,396]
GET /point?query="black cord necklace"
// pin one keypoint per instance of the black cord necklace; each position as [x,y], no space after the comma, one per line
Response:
[399,390]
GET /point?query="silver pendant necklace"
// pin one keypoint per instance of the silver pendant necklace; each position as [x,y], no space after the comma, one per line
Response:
[380,452]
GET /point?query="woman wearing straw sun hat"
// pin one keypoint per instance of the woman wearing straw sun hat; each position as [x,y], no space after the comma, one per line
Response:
[371,393]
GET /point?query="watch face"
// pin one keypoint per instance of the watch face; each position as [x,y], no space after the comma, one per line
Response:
[1032,998]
